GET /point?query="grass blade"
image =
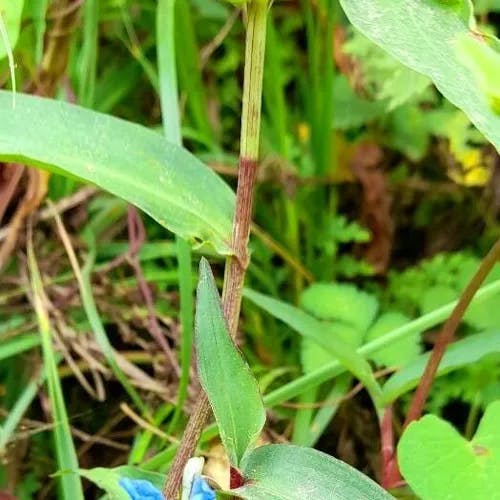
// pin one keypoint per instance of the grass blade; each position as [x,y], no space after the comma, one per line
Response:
[459,354]
[190,73]
[167,70]
[330,371]
[309,327]
[98,328]
[88,54]
[39,12]
[142,441]
[18,344]
[165,26]
[67,460]
[17,411]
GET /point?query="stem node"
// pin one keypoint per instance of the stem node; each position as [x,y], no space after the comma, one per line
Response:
[236,264]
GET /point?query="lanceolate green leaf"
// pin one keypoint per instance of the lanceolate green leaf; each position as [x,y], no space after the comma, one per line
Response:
[424,35]
[126,159]
[225,376]
[285,472]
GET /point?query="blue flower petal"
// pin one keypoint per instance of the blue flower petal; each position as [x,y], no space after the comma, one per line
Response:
[201,490]
[139,489]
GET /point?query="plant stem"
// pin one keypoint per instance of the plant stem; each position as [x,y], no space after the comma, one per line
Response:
[447,334]
[389,476]
[390,471]
[236,264]
[334,368]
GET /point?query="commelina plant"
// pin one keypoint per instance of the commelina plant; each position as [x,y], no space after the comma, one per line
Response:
[185,196]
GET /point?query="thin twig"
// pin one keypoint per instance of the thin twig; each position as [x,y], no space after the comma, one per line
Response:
[125,408]
[207,51]
[103,431]
[447,334]
[63,205]
[69,9]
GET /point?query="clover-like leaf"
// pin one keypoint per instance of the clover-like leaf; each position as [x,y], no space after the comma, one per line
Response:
[340,302]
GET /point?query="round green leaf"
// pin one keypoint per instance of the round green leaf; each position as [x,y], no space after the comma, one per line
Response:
[438,463]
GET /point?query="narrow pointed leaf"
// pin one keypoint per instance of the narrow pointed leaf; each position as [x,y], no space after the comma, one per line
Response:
[286,472]
[17,411]
[311,328]
[65,451]
[126,159]
[230,386]
[425,36]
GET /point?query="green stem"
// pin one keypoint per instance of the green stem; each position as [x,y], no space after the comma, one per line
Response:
[254,75]
[236,264]
[333,369]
